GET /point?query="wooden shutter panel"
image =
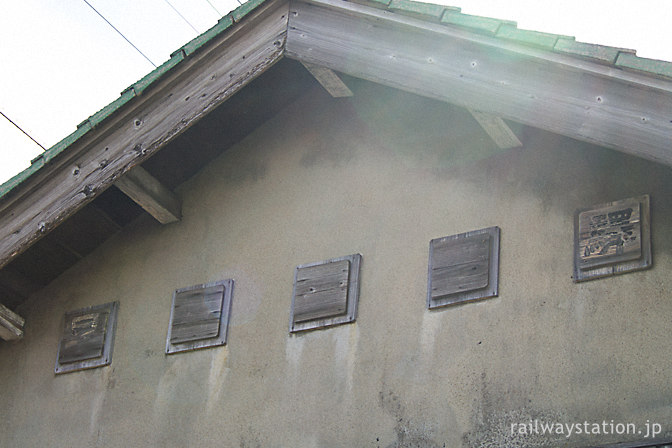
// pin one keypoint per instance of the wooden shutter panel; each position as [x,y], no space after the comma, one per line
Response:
[325,293]
[87,339]
[83,337]
[463,267]
[199,316]
[321,291]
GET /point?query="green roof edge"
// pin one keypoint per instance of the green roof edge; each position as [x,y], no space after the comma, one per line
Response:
[245,9]
[447,15]
[128,94]
[486,24]
[420,9]
[654,66]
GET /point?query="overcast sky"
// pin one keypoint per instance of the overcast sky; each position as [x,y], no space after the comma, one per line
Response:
[61,62]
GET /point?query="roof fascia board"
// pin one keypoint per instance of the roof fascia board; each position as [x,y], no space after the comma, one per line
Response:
[191,89]
[571,96]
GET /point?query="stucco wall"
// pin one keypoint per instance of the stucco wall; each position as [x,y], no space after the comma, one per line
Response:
[381,174]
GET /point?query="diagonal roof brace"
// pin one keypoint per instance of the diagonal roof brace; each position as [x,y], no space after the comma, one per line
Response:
[150,194]
[11,324]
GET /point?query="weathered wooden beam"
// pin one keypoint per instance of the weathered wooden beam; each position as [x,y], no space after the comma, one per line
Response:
[151,195]
[497,129]
[619,109]
[329,80]
[183,95]
[11,324]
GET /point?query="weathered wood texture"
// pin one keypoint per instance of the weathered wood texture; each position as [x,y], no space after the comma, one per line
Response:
[559,93]
[463,267]
[199,316]
[325,293]
[196,314]
[151,195]
[11,324]
[460,265]
[329,80]
[612,238]
[88,338]
[497,129]
[321,291]
[189,91]
[83,337]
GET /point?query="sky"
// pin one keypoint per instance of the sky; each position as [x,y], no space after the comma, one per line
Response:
[62,63]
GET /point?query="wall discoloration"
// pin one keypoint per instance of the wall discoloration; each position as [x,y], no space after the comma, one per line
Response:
[380,174]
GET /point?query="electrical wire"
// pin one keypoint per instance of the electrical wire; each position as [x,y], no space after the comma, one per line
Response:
[120,33]
[27,134]
[183,18]
[213,7]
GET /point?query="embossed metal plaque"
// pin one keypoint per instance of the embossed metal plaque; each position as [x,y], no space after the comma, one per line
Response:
[612,238]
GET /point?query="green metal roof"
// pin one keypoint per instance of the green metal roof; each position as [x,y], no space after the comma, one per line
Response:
[445,15]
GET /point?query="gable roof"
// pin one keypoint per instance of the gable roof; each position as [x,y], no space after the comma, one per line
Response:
[599,94]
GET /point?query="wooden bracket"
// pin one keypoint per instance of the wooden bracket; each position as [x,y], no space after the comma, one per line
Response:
[497,129]
[620,109]
[151,195]
[11,324]
[329,80]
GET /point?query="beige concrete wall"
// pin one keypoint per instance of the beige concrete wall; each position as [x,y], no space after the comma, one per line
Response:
[381,175]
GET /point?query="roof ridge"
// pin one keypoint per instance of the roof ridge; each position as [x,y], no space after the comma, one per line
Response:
[449,16]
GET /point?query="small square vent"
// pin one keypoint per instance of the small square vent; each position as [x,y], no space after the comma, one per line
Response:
[463,267]
[88,338]
[612,238]
[325,293]
[199,317]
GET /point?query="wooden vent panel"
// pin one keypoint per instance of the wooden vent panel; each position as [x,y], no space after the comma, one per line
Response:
[463,267]
[83,337]
[612,238]
[460,265]
[321,291]
[88,338]
[325,293]
[199,316]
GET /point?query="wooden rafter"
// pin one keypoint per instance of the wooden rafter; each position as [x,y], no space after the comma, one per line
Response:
[151,195]
[188,91]
[566,95]
[11,324]
[497,129]
[329,80]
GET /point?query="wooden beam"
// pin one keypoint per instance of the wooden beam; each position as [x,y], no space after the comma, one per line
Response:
[329,80]
[600,104]
[497,129]
[182,96]
[11,324]
[151,195]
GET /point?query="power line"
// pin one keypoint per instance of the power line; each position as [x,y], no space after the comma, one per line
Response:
[213,7]
[183,18]
[19,128]
[120,33]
